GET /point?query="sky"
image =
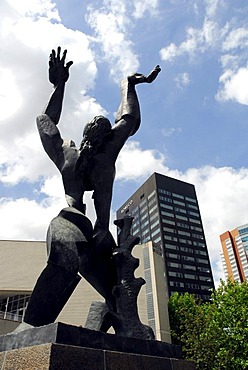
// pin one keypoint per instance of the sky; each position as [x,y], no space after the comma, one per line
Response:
[194,115]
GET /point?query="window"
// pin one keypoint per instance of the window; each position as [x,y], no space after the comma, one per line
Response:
[183,233]
[167,214]
[203,253]
[172,238]
[153,216]
[205,278]
[158,239]
[165,199]
[175,274]
[144,216]
[144,224]
[192,207]
[191,199]
[155,232]
[186,249]
[188,258]
[154,224]
[151,194]
[203,269]
[195,221]
[179,203]
[162,191]
[192,286]
[196,228]
[169,222]
[182,218]
[185,241]
[166,206]
[193,214]
[205,287]
[136,223]
[152,209]
[178,195]
[151,202]
[142,210]
[243,231]
[178,284]
[144,232]
[197,236]
[142,203]
[182,224]
[171,246]
[180,210]
[169,229]
[190,276]
[189,267]
[173,255]
[174,264]
[201,260]
[198,244]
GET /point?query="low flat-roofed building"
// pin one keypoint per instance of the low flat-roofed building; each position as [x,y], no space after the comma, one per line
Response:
[21,263]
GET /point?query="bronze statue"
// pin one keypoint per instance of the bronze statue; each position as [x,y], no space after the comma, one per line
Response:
[73,244]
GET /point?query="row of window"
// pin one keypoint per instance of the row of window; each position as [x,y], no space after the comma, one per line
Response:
[175,195]
[205,297]
[189,276]
[185,249]
[177,202]
[188,267]
[180,284]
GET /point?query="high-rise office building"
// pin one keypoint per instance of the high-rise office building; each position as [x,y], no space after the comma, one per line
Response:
[166,211]
[234,254]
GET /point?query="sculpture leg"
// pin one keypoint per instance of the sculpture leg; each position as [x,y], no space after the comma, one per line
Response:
[52,290]
[60,277]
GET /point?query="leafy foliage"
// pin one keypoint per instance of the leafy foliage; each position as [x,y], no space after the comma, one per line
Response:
[213,334]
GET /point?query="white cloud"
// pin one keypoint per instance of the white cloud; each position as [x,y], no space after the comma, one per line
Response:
[112,24]
[167,132]
[223,199]
[234,86]
[196,41]
[36,8]
[25,89]
[182,79]
[142,6]
[235,39]
[223,37]
[117,49]
[135,164]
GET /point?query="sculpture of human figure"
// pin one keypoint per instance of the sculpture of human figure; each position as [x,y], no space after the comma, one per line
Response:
[78,247]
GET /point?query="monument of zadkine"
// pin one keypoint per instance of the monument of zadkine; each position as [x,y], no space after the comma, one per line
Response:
[76,247]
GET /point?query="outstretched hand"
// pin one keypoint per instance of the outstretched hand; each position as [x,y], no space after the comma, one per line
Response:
[58,71]
[139,78]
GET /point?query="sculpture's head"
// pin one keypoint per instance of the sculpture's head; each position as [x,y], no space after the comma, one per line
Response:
[96,130]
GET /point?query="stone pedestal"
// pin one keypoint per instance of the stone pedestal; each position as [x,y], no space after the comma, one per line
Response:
[63,347]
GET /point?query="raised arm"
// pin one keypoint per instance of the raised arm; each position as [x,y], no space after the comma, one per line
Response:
[46,123]
[127,119]
[58,75]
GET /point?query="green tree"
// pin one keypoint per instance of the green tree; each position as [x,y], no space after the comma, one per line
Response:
[213,334]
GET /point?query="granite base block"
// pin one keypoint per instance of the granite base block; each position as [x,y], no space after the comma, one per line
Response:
[65,357]
[77,336]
